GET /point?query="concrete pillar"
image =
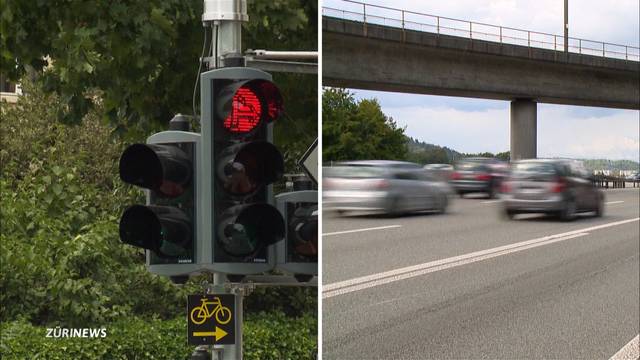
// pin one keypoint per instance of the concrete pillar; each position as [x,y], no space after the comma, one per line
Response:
[524,123]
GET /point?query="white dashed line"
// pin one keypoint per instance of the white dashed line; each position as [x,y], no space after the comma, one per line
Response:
[359,230]
[365,282]
[631,351]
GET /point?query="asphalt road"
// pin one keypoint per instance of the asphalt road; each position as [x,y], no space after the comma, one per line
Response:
[407,288]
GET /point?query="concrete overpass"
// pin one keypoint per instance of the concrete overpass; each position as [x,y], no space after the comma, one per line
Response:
[375,57]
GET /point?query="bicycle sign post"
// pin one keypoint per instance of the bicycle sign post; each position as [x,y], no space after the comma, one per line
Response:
[211,319]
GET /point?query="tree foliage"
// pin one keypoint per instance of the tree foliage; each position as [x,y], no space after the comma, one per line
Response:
[138,59]
[61,261]
[356,130]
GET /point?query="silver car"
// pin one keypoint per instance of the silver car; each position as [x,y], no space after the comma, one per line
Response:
[379,186]
[560,187]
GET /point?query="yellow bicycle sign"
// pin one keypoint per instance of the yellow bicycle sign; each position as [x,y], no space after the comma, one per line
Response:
[207,309]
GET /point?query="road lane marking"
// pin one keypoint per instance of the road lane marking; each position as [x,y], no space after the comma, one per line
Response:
[614,202]
[364,282]
[490,201]
[631,351]
[359,230]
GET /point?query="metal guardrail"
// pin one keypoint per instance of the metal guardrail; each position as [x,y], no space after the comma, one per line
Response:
[410,20]
[613,182]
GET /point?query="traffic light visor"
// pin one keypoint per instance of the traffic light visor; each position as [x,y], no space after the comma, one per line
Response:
[162,168]
[140,227]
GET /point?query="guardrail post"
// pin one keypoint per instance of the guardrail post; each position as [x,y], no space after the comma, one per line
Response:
[500,34]
[364,18]
[602,49]
[554,43]
[626,53]
[529,38]
[580,46]
[438,24]
[470,30]
[404,37]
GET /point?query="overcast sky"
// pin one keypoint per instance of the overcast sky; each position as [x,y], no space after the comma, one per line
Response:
[474,125]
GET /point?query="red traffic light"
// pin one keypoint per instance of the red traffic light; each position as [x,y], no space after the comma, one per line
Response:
[245,113]
[250,103]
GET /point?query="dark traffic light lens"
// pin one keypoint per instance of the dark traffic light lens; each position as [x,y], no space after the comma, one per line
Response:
[247,229]
[162,168]
[246,111]
[303,230]
[247,167]
[162,229]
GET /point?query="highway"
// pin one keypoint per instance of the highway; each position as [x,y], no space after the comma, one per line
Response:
[471,285]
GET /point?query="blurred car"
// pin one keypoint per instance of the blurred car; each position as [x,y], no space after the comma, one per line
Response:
[634,177]
[560,187]
[478,175]
[380,186]
[439,171]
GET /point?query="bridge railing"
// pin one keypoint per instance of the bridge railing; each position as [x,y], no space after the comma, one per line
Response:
[614,182]
[410,20]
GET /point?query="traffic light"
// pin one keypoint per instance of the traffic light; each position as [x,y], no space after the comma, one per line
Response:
[298,254]
[239,107]
[166,225]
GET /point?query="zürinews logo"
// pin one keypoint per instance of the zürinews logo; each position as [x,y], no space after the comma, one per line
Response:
[59,332]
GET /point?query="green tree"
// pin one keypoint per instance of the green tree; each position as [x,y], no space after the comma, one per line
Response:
[137,58]
[358,130]
[504,156]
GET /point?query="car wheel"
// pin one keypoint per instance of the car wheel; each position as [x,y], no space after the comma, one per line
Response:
[599,211]
[493,190]
[569,211]
[442,208]
[509,214]
[461,194]
[395,207]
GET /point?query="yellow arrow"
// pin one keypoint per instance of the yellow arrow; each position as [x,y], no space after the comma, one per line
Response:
[218,334]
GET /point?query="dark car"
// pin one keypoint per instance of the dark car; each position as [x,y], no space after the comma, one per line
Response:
[559,187]
[478,175]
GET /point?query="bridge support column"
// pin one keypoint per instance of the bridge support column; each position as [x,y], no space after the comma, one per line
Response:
[524,122]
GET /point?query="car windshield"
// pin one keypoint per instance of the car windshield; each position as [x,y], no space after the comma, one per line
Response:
[470,166]
[533,169]
[356,172]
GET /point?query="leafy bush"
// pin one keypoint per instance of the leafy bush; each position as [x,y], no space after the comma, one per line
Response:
[266,336]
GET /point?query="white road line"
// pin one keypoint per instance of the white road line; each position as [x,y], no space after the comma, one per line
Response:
[364,282]
[614,202]
[631,351]
[359,230]
[490,201]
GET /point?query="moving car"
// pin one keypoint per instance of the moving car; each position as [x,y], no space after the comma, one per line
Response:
[380,186]
[439,171]
[560,187]
[478,175]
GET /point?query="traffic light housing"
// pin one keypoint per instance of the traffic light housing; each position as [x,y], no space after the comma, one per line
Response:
[166,226]
[298,254]
[239,106]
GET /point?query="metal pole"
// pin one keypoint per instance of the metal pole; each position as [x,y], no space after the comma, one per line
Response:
[226,18]
[501,34]
[566,26]
[438,23]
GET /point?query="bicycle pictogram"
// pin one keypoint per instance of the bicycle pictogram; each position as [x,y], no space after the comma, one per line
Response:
[201,313]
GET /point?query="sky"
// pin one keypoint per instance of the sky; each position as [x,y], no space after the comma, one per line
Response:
[465,124]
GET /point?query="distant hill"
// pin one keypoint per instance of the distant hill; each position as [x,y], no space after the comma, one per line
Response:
[604,164]
[425,153]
